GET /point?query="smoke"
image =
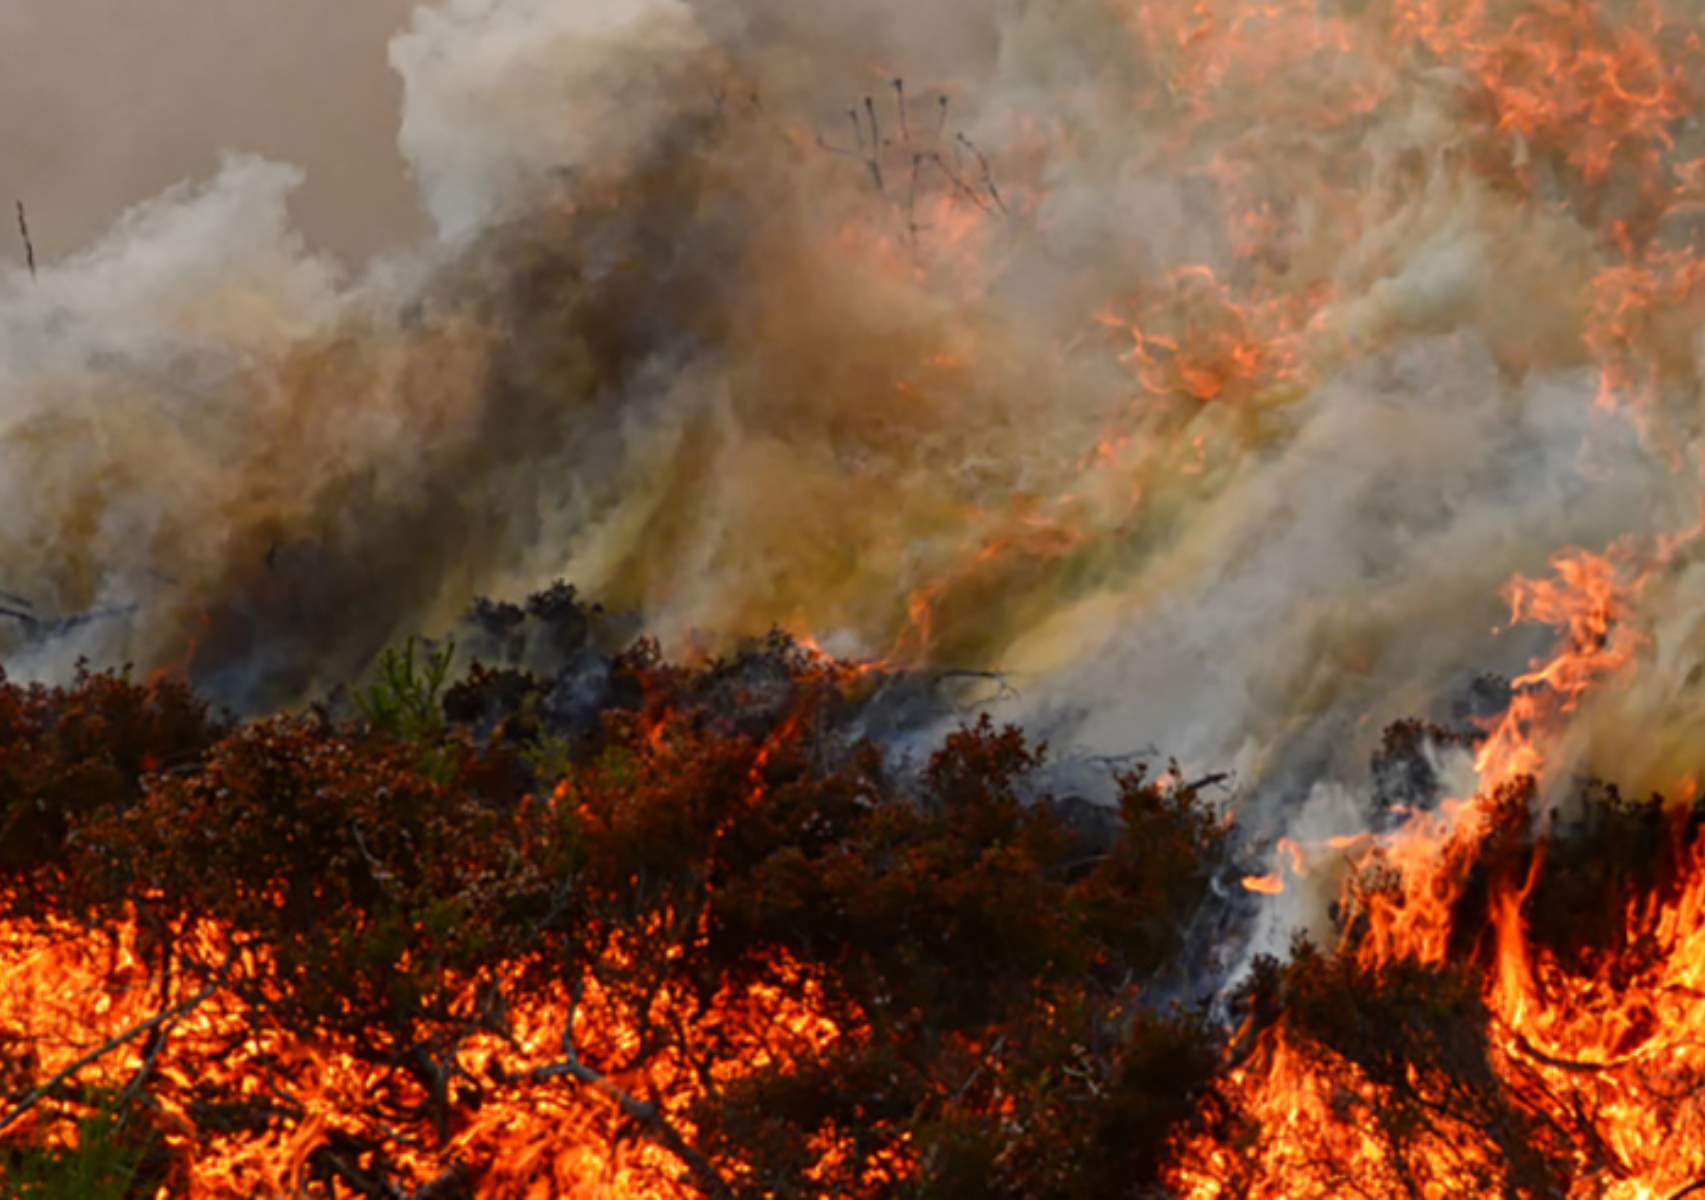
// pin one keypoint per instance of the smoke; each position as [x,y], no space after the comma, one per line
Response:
[1209,386]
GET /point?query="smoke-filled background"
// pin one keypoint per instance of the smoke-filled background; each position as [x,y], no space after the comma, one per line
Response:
[1208,372]
[103,106]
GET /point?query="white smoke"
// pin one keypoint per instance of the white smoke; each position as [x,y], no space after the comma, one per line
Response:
[502,94]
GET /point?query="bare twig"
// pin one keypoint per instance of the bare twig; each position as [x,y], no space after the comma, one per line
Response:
[374,1187]
[452,1183]
[29,246]
[1121,761]
[988,176]
[912,200]
[35,1097]
[871,153]
[991,1055]
[875,128]
[155,1043]
[823,144]
[340,1157]
[40,626]
[376,869]
[959,185]
[1568,1064]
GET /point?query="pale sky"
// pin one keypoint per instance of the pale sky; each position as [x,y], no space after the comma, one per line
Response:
[106,102]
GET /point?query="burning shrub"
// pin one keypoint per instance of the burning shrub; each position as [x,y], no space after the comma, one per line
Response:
[729,935]
[1007,1051]
[68,755]
[1537,1047]
[733,939]
[366,879]
[722,947]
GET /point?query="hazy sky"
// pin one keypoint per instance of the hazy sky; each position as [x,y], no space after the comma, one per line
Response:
[105,102]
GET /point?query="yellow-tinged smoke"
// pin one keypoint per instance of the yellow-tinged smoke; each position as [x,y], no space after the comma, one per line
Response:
[1207,368]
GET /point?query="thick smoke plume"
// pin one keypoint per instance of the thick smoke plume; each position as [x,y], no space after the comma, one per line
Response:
[1213,397]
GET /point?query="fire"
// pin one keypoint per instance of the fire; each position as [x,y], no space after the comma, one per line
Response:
[1596,1052]
[1328,182]
[87,1013]
[1271,884]
[1596,1055]
[1587,602]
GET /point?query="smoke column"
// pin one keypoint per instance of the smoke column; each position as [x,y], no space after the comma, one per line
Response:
[1212,396]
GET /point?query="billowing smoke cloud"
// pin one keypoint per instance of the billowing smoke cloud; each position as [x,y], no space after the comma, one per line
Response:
[1210,386]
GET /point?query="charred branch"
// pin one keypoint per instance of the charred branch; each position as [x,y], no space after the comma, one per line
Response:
[38,626]
[1574,1066]
[454,1184]
[178,1011]
[875,126]
[968,174]
[340,1158]
[874,160]
[342,1167]
[648,1116]
[987,176]
[957,181]
[29,244]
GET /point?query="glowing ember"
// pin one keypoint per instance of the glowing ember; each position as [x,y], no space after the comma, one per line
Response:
[534,1131]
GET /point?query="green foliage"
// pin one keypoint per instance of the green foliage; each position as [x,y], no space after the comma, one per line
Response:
[404,700]
[550,758]
[103,1164]
[404,697]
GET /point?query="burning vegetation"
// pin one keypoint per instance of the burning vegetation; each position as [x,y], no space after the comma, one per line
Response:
[1195,376]
[632,929]
[693,940]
